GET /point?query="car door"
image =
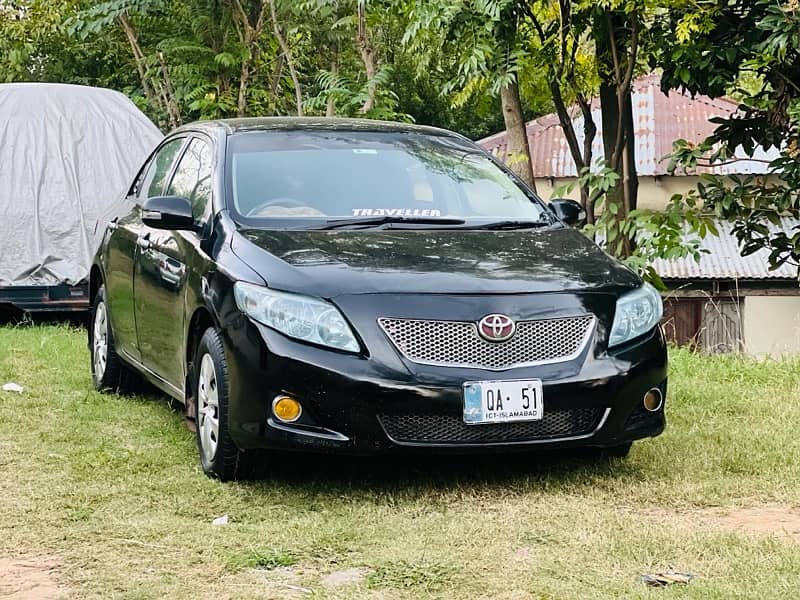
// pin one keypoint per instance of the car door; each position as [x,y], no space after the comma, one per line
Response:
[120,251]
[160,290]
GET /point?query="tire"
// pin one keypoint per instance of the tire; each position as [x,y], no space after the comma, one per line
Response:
[108,372]
[219,456]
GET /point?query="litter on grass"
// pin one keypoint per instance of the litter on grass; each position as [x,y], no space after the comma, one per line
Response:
[665,578]
[223,520]
[13,387]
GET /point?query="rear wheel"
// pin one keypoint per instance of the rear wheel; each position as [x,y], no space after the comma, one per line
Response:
[108,371]
[219,455]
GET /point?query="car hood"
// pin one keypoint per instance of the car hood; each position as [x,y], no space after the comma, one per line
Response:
[331,263]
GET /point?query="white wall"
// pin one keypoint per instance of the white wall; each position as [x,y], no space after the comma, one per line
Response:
[653,193]
[772,325]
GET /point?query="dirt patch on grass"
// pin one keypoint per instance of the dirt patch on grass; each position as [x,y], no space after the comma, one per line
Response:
[279,583]
[775,519]
[345,577]
[32,578]
[768,519]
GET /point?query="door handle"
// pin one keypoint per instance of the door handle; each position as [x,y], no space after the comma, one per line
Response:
[143,242]
[112,224]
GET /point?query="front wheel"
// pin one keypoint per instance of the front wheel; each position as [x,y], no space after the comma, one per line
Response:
[219,455]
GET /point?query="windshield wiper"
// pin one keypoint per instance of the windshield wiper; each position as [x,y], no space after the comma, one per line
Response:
[516,224]
[377,221]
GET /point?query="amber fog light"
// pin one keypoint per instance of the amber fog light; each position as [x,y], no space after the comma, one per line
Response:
[653,400]
[286,409]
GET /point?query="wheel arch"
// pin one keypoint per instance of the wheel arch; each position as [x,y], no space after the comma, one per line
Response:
[201,320]
[95,281]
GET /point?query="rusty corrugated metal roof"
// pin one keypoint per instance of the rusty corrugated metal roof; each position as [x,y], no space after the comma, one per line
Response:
[724,260]
[659,120]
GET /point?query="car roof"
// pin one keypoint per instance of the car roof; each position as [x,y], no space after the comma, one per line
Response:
[231,126]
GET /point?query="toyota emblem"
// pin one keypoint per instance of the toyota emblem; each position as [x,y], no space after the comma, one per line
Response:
[496,328]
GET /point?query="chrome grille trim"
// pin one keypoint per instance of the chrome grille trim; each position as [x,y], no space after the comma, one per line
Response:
[458,343]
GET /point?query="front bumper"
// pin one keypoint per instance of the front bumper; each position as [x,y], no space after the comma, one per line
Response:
[380,403]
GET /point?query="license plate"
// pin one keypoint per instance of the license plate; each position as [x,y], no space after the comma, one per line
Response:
[503,401]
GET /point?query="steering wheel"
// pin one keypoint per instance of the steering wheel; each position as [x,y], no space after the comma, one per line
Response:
[284,202]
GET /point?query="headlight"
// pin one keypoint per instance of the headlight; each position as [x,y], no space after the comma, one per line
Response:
[637,313]
[300,317]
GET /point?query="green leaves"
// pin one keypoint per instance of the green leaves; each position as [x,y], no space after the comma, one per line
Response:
[642,236]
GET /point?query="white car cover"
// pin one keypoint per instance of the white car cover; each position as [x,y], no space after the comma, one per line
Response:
[67,155]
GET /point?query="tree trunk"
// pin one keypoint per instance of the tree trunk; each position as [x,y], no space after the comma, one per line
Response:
[367,52]
[609,111]
[518,148]
[244,77]
[277,73]
[631,178]
[330,108]
[616,40]
[581,157]
[169,89]
[138,59]
[298,92]
[565,67]
[589,133]
[609,107]
[248,33]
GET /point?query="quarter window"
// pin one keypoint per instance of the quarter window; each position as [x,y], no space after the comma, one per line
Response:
[159,168]
[141,178]
[192,179]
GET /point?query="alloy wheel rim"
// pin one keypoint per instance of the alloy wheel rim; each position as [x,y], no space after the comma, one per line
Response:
[100,340]
[208,408]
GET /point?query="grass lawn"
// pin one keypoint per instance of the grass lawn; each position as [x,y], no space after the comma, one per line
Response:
[106,492]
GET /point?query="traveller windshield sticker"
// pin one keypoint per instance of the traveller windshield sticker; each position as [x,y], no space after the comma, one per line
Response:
[364,151]
[396,212]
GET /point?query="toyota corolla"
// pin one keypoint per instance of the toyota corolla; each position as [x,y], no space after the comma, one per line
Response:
[357,286]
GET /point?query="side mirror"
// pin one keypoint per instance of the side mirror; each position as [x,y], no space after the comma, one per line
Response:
[168,212]
[569,211]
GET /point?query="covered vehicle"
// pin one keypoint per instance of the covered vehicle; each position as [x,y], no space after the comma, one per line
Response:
[68,153]
[359,286]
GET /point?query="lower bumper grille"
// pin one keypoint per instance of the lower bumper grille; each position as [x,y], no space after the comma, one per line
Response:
[448,429]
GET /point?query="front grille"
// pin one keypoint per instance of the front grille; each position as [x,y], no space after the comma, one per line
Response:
[448,429]
[458,343]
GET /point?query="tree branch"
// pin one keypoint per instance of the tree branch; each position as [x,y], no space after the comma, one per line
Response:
[298,93]
[536,24]
[567,126]
[367,52]
[564,17]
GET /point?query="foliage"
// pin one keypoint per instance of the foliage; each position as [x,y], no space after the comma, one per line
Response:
[181,60]
[760,39]
[445,63]
[675,232]
[36,46]
[485,44]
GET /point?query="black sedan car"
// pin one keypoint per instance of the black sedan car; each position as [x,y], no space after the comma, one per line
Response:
[353,285]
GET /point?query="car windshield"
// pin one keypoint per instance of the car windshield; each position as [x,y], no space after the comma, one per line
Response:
[334,177]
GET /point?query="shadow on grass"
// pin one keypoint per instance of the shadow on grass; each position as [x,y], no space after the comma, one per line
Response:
[420,470]
[424,470]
